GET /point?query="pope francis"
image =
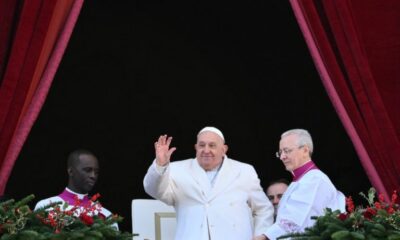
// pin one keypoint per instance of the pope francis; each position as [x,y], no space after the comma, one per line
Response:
[215,197]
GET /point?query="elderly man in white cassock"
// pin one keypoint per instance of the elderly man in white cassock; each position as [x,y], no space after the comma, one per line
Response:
[310,192]
[215,197]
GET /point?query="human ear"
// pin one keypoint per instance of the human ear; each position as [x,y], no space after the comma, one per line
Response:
[69,171]
[306,150]
[225,148]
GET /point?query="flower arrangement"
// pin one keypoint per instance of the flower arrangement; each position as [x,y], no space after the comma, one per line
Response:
[57,221]
[379,220]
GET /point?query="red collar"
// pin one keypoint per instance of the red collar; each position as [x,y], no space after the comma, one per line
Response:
[299,172]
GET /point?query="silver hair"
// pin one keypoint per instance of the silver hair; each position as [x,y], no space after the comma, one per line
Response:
[303,138]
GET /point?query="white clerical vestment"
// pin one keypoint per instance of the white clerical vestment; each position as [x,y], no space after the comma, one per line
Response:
[307,197]
[226,204]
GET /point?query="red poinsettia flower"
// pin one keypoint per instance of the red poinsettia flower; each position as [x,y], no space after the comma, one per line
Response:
[390,210]
[343,216]
[378,205]
[95,197]
[88,220]
[77,201]
[350,204]
[369,213]
[381,198]
[394,197]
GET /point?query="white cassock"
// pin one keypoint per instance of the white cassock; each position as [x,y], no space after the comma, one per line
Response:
[234,207]
[307,197]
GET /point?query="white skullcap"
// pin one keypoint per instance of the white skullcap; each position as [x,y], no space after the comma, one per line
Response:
[212,129]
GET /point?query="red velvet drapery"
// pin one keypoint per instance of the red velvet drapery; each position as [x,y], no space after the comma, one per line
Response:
[33,37]
[355,45]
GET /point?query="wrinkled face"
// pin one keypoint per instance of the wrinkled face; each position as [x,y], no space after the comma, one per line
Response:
[210,150]
[292,155]
[83,174]
[275,192]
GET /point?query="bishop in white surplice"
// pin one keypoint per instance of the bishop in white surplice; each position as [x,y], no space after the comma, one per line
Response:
[311,191]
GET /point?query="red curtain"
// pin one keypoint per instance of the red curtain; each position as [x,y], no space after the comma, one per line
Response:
[355,45]
[33,37]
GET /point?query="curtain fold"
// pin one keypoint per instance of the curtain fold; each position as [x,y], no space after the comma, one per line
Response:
[36,40]
[355,47]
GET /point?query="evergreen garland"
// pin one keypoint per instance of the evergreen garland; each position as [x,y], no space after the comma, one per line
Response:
[378,221]
[55,222]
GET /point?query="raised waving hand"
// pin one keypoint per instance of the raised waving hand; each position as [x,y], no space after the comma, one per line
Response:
[163,150]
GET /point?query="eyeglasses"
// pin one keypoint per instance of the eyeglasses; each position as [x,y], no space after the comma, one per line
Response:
[286,151]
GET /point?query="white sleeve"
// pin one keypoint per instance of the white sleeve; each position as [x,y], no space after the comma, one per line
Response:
[161,169]
[45,202]
[157,183]
[300,205]
[280,228]
[262,209]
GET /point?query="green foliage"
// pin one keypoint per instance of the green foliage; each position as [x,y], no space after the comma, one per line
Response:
[378,221]
[18,222]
